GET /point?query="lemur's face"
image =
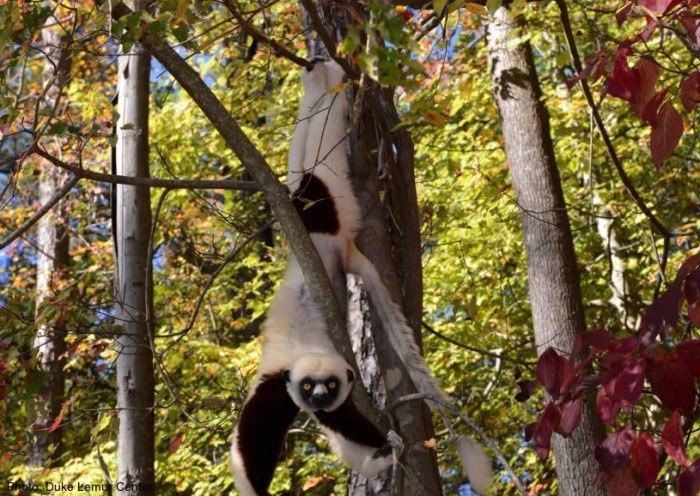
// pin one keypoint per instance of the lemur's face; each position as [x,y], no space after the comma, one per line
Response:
[319,381]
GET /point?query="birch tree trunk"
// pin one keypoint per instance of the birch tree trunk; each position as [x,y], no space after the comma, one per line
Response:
[135,383]
[557,309]
[51,262]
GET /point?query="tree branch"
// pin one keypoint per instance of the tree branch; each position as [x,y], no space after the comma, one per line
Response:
[152,182]
[626,181]
[254,33]
[27,224]
[276,194]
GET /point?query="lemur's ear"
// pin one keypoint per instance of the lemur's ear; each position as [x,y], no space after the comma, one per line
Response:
[285,375]
[351,375]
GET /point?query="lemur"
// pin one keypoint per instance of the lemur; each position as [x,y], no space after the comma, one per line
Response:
[301,369]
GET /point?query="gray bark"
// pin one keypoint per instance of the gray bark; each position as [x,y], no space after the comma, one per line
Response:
[553,279]
[360,330]
[52,260]
[135,382]
[418,474]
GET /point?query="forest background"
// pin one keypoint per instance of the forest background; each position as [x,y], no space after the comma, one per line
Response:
[614,89]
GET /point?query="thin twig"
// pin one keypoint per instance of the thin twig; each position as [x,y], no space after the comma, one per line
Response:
[498,356]
[27,224]
[257,35]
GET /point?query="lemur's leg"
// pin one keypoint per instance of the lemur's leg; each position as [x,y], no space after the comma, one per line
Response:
[260,430]
[355,440]
[314,83]
[326,141]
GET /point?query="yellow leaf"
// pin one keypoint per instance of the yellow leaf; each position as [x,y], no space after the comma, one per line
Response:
[338,88]
[434,118]
[430,443]
[477,9]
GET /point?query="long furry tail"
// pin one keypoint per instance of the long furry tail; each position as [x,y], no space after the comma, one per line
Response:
[394,324]
[475,464]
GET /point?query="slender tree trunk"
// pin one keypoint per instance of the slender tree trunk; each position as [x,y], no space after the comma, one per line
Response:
[557,309]
[135,383]
[52,261]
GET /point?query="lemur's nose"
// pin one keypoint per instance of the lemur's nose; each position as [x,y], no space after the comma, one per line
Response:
[319,398]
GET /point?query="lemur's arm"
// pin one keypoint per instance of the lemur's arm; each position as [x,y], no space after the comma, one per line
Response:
[260,431]
[356,440]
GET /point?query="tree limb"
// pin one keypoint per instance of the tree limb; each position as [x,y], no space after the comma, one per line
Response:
[275,193]
[152,182]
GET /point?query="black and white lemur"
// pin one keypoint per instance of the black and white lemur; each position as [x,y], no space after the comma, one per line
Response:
[301,369]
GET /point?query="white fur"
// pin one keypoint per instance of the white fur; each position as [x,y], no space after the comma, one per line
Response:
[238,470]
[475,464]
[360,458]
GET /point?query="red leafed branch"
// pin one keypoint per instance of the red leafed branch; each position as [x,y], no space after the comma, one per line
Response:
[624,373]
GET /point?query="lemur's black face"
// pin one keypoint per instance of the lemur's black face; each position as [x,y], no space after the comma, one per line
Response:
[319,394]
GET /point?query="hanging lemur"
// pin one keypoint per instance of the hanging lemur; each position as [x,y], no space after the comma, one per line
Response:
[301,369]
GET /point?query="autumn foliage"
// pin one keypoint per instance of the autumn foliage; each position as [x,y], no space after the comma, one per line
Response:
[616,370]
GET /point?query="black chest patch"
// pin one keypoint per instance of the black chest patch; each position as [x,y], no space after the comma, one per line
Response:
[315,205]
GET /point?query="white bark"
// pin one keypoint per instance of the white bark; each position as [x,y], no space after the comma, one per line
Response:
[135,383]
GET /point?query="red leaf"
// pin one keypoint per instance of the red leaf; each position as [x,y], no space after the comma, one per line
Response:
[691,291]
[614,452]
[571,412]
[689,353]
[666,133]
[644,461]
[629,384]
[689,481]
[689,91]
[649,29]
[607,408]
[623,82]
[526,388]
[691,24]
[672,439]
[595,338]
[659,6]
[175,443]
[548,371]
[651,109]
[661,315]
[618,482]
[543,430]
[673,384]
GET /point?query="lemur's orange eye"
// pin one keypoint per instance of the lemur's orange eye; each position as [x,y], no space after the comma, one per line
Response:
[306,386]
[332,385]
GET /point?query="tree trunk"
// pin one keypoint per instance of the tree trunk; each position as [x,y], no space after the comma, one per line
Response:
[557,309]
[52,260]
[418,474]
[135,383]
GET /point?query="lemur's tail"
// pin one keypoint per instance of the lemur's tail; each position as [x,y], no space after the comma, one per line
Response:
[476,465]
[394,324]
